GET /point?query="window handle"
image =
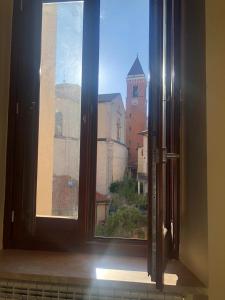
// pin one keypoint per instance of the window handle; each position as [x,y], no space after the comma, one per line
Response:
[172,156]
[168,155]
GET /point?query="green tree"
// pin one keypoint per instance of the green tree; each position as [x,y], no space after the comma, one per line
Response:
[126,192]
[127,212]
[123,223]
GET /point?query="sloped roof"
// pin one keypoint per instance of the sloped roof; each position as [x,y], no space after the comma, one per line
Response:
[107,97]
[136,69]
[101,198]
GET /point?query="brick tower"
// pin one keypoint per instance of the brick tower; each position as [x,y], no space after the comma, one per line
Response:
[136,116]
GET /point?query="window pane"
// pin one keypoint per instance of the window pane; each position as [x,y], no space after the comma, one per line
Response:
[60,110]
[121,188]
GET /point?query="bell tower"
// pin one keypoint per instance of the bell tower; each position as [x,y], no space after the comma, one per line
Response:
[136,113]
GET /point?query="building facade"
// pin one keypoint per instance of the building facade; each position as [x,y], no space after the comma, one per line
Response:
[66,154]
[112,150]
[142,171]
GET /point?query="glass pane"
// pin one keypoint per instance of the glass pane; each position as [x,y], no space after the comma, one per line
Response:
[121,188]
[60,110]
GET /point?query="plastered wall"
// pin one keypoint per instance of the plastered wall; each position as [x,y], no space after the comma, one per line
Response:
[194,239]
[203,170]
[215,79]
[47,107]
[5,38]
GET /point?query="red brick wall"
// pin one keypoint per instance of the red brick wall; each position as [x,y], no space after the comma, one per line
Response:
[136,118]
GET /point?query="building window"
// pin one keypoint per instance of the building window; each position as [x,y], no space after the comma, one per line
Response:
[118,130]
[135,91]
[58,124]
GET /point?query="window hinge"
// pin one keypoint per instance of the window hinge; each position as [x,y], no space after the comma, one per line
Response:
[13,216]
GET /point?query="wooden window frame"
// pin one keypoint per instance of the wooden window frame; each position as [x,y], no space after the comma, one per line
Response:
[38,233]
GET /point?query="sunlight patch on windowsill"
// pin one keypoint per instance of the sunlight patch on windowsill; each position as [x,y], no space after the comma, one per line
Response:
[132,276]
[58,217]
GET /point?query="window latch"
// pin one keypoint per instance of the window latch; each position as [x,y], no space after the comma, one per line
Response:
[172,156]
[166,155]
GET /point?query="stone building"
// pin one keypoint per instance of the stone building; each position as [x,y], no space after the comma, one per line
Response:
[112,151]
[66,155]
[142,170]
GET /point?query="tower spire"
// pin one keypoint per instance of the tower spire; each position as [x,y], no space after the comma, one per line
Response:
[136,68]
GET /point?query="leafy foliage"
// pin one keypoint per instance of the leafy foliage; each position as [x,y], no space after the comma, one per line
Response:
[127,212]
[123,223]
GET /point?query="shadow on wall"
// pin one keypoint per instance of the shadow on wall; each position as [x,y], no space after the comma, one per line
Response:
[194,227]
[5,38]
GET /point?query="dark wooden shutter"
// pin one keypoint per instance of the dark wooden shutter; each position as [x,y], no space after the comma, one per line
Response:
[23,118]
[163,138]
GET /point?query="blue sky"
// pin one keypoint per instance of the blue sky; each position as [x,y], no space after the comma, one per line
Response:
[123,34]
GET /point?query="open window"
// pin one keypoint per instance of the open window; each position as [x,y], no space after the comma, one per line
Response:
[93,147]
[53,94]
[121,209]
